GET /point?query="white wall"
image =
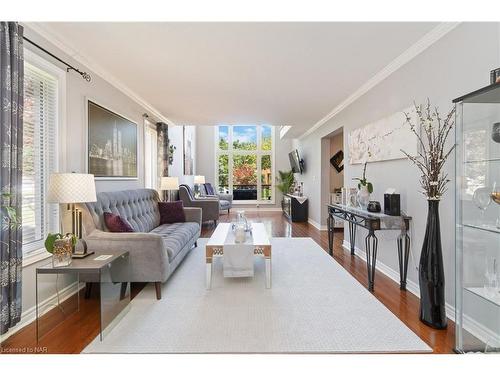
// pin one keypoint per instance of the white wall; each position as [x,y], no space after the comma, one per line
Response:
[175,139]
[205,152]
[205,157]
[456,64]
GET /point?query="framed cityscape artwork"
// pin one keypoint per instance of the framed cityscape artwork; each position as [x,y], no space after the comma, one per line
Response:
[111,144]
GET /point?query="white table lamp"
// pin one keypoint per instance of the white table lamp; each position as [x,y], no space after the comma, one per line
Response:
[72,188]
[199,179]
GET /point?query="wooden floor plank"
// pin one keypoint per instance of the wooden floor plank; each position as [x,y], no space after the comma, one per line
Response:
[76,332]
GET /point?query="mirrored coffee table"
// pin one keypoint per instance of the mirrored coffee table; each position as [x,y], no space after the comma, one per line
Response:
[215,247]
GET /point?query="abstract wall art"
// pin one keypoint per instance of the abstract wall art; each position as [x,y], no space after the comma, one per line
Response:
[382,140]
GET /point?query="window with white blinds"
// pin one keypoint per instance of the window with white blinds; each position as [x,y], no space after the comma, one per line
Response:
[39,154]
[150,156]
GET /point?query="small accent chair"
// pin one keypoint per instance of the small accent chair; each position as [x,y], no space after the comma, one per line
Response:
[209,204]
[225,200]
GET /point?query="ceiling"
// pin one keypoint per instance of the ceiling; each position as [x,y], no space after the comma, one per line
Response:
[241,73]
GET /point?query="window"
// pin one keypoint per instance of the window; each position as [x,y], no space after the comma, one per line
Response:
[150,155]
[244,162]
[41,91]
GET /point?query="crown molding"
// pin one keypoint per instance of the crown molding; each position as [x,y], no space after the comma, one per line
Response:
[65,46]
[418,47]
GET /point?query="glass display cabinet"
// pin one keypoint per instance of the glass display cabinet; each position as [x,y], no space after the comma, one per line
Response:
[478,221]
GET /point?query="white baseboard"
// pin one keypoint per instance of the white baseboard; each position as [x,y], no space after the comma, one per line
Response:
[317,225]
[475,328]
[29,315]
[411,286]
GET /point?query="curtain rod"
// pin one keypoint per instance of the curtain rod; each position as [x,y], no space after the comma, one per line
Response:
[69,67]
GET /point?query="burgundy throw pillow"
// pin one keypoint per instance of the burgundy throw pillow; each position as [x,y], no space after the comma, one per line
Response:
[115,223]
[171,212]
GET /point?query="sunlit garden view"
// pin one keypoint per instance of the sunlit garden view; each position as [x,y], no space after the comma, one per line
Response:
[242,157]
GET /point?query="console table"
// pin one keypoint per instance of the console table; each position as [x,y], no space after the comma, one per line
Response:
[372,222]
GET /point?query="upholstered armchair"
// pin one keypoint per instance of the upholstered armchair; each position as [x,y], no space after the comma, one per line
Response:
[225,200]
[209,205]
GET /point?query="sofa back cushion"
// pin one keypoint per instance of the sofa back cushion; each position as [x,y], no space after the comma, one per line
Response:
[137,207]
[171,212]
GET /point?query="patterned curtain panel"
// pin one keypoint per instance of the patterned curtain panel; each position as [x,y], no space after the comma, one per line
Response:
[11,163]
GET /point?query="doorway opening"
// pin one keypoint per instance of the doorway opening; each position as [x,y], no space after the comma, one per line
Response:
[332,171]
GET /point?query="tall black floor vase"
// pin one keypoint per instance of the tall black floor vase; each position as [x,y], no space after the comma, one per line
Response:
[431,272]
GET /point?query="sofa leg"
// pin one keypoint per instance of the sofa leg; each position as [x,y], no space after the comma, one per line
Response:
[215,222]
[228,210]
[158,289]
[195,243]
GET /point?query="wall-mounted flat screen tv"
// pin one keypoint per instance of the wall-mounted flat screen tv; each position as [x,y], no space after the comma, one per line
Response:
[296,162]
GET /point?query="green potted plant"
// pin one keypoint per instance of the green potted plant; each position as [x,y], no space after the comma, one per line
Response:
[365,188]
[61,247]
[285,180]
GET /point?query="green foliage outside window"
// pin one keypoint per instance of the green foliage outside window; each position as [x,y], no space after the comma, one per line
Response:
[244,165]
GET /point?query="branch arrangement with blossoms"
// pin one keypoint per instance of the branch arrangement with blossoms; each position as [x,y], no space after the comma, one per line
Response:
[432,156]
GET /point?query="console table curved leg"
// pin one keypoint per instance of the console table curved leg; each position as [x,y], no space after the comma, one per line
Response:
[331,227]
[403,255]
[371,243]
[352,236]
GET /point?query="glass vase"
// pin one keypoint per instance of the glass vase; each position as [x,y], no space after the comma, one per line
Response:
[363,197]
[63,250]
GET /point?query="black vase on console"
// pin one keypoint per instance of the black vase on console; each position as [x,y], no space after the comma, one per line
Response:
[431,272]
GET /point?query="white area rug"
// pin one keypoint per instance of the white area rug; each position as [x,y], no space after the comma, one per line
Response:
[314,306]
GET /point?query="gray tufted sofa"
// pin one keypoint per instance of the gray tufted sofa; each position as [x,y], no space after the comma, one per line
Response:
[155,250]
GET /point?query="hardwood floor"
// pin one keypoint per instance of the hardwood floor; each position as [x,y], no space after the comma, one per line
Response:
[73,335]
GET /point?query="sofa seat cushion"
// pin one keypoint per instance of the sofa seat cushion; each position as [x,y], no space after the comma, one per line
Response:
[176,236]
[224,205]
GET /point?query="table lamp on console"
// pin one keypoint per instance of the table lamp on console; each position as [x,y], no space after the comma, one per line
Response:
[169,184]
[70,189]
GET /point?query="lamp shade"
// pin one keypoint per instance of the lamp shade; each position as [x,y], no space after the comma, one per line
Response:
[71,188]
[199,179]
[169,183]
